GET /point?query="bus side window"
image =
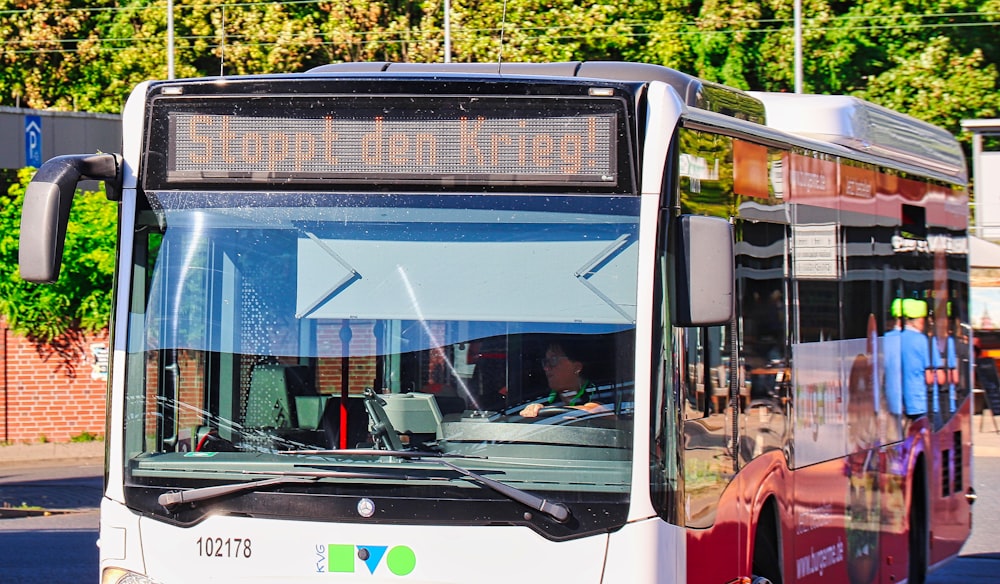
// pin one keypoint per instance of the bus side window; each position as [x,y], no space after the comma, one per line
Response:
[706,371]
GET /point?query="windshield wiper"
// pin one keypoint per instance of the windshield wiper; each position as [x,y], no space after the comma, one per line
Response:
[175,498]
[554,509]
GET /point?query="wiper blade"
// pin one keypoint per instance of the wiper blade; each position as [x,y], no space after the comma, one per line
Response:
[175,498]
[554,509]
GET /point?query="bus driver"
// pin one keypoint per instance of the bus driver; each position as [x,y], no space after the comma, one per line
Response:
[564,369]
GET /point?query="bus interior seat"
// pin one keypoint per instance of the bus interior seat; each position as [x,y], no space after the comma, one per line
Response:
[450,404]
[283,396]
[488,379]
[269,402]
[299,379]
[309,404]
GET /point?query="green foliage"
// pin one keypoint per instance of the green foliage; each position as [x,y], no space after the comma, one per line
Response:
[81,299]
[85,437]
[910,54]
[549,30]
[936,60]
[934,81]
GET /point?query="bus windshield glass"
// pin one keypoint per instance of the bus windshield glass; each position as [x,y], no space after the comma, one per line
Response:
[275,333]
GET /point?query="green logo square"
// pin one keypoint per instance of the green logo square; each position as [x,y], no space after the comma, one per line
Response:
[341,557]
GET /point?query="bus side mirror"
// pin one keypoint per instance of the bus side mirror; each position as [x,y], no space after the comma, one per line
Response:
[703,270]
[47,202]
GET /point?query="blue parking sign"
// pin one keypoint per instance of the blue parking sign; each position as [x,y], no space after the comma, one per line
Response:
[33,141]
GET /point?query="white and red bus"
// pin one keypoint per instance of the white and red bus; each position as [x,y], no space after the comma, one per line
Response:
[337,291]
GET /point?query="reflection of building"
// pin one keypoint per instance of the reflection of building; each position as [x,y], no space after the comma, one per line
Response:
[986,170]
[985,322]
[984,255]
[984,272]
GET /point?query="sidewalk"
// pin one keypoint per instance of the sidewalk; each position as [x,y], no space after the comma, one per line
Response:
[987,441]
[51,453]
[43,479]
[29,492]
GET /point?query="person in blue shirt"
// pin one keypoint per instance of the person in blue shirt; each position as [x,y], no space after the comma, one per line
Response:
[915,358]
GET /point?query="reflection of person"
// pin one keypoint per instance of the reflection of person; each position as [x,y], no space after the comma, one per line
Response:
[771,325]
[564,369]
[917,367]
[951,373]
[952,376]
[863,401]
[892,369]
[938,374]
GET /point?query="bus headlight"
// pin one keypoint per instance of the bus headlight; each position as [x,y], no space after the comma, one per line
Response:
[120,576]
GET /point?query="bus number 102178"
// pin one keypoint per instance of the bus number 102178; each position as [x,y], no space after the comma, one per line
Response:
[217,547]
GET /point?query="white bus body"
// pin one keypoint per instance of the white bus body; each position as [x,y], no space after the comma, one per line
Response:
[335,289]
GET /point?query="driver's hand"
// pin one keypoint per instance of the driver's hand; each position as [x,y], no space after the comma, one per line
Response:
[531,410]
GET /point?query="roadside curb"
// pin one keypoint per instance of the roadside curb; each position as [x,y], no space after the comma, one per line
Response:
[12,513]
[29,454]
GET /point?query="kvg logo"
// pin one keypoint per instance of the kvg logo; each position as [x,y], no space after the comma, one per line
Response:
[341,558]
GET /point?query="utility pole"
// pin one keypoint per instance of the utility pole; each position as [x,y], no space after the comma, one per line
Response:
[170,39]
[447,31]
[798,46]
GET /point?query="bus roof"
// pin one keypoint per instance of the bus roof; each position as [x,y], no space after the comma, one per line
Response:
[843,120]
[865,127]
[693,91]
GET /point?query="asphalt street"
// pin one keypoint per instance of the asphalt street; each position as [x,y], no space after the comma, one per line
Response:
[69,486]
[49,522]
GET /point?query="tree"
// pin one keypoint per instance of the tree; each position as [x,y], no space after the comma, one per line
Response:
[87,54]
[81,299]
[39,51]
[936,82]
[550,30]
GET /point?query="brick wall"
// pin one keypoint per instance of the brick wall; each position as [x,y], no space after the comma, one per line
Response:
[52,392]
[329,370]
[55,392]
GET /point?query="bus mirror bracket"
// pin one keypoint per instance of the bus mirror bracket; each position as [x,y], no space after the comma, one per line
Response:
[47,202]
[704,277]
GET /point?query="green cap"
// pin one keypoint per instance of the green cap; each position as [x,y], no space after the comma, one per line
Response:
[908,307]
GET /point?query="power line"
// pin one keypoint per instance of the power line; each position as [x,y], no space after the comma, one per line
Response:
[257,3]
[154,7]
[679,29]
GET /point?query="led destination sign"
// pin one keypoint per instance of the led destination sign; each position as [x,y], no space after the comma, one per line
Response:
[393,144]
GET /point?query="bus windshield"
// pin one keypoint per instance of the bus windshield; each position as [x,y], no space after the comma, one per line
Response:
[280,333]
